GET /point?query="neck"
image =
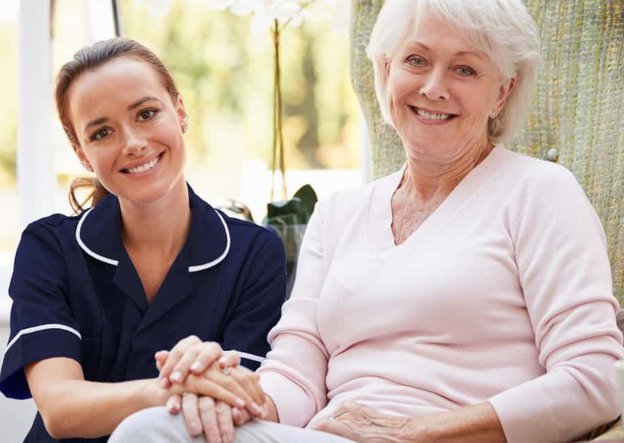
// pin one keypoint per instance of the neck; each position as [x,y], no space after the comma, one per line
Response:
[151,228]
[428,179]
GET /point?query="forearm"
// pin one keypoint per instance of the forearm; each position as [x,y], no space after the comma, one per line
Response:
[79,408]
[471,424]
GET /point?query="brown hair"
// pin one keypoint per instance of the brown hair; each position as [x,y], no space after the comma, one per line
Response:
[88,59]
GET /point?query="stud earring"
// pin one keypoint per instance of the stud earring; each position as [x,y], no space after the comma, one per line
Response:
[493,115]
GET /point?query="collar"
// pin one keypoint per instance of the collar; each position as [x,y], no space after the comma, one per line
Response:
[98,233]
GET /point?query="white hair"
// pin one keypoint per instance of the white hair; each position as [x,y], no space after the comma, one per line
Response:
[502,29]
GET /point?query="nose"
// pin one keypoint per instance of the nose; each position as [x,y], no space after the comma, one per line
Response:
[134,141]
[434,87]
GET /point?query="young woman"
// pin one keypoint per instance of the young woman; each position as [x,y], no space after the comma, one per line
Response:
[97,295]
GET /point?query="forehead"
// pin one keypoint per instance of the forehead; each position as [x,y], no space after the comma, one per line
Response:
[439,35]
[119,81]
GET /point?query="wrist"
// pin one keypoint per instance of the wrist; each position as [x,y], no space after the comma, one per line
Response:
[154,394]
[269,405]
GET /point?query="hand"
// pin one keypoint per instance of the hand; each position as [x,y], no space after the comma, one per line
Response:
[202,415]
[222,380]
[363,424]
[190,355]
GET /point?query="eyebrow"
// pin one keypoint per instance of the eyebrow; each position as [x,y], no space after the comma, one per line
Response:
[132,106]
[460,53]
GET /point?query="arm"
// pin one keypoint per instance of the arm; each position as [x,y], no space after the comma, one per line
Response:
[73,407]
[294,373]
[259,303]
[565,276]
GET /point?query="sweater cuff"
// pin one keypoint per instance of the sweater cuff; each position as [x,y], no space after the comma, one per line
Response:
[289,399]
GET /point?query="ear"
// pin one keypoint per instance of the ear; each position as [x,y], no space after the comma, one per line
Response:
[503,94]
[82,157]
[182,115]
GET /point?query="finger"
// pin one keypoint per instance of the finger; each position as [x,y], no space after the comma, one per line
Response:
[209,353]
[161,358]
[174,357]
[192,419]
[229,359]
[225,421]
[226,380]
[337,428]
[174,404]
[249,382]
[182,368]
[208,416]
[240,416]
[206,387]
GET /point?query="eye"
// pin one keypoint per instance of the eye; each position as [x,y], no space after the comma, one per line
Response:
[465,71]
[147,114]
[415,60]
[101,134]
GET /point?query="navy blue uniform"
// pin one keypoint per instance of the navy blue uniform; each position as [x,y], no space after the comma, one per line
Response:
[77,294]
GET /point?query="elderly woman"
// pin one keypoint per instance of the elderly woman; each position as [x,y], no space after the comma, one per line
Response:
[466,297]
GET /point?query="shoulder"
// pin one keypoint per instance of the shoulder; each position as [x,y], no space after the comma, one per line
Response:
[57,226]
[252,232]
[535,171]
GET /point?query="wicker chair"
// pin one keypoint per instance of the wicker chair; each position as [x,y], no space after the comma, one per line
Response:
[577,118]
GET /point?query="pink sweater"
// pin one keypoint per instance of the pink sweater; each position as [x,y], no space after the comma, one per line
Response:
[503,295]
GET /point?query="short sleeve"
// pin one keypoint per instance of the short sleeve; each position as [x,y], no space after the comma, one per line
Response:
[41,322]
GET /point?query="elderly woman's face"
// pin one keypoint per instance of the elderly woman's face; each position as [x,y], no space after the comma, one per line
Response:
[441,91]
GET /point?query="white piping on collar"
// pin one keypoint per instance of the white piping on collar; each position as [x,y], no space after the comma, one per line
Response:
[195,268]
[219,259]
[85,248]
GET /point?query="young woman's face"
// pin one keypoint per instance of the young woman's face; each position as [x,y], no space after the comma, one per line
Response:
[128,129]
[441,91]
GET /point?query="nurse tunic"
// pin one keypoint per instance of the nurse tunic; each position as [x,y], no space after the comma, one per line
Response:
[76,294]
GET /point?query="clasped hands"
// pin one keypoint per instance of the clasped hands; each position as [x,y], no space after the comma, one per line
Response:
[210,388]
[215,394]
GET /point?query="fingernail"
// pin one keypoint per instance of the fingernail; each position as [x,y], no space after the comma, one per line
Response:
[195,428]
[176,377]
[196,366]
[240,403]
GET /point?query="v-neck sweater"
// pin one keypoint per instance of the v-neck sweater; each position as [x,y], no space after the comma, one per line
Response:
[503,294]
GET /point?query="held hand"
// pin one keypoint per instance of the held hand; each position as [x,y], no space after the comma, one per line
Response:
[190,355]
[231,385]
[202,415]
[363,424]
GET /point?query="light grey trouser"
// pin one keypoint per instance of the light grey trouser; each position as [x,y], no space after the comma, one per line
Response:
[156,425]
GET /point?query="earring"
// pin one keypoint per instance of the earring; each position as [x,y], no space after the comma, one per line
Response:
[493,115]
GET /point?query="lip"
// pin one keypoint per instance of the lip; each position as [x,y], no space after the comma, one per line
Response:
[428,121]
[125,169]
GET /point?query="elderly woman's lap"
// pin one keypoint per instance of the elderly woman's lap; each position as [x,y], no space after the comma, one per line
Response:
[158,426]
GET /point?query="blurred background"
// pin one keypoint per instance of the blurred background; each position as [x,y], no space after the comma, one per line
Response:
[224,70]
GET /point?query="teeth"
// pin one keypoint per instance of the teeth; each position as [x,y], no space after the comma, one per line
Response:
[145,167]
[431,116]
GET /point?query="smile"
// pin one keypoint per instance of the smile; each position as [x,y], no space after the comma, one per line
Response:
[144,167]
[431,115]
